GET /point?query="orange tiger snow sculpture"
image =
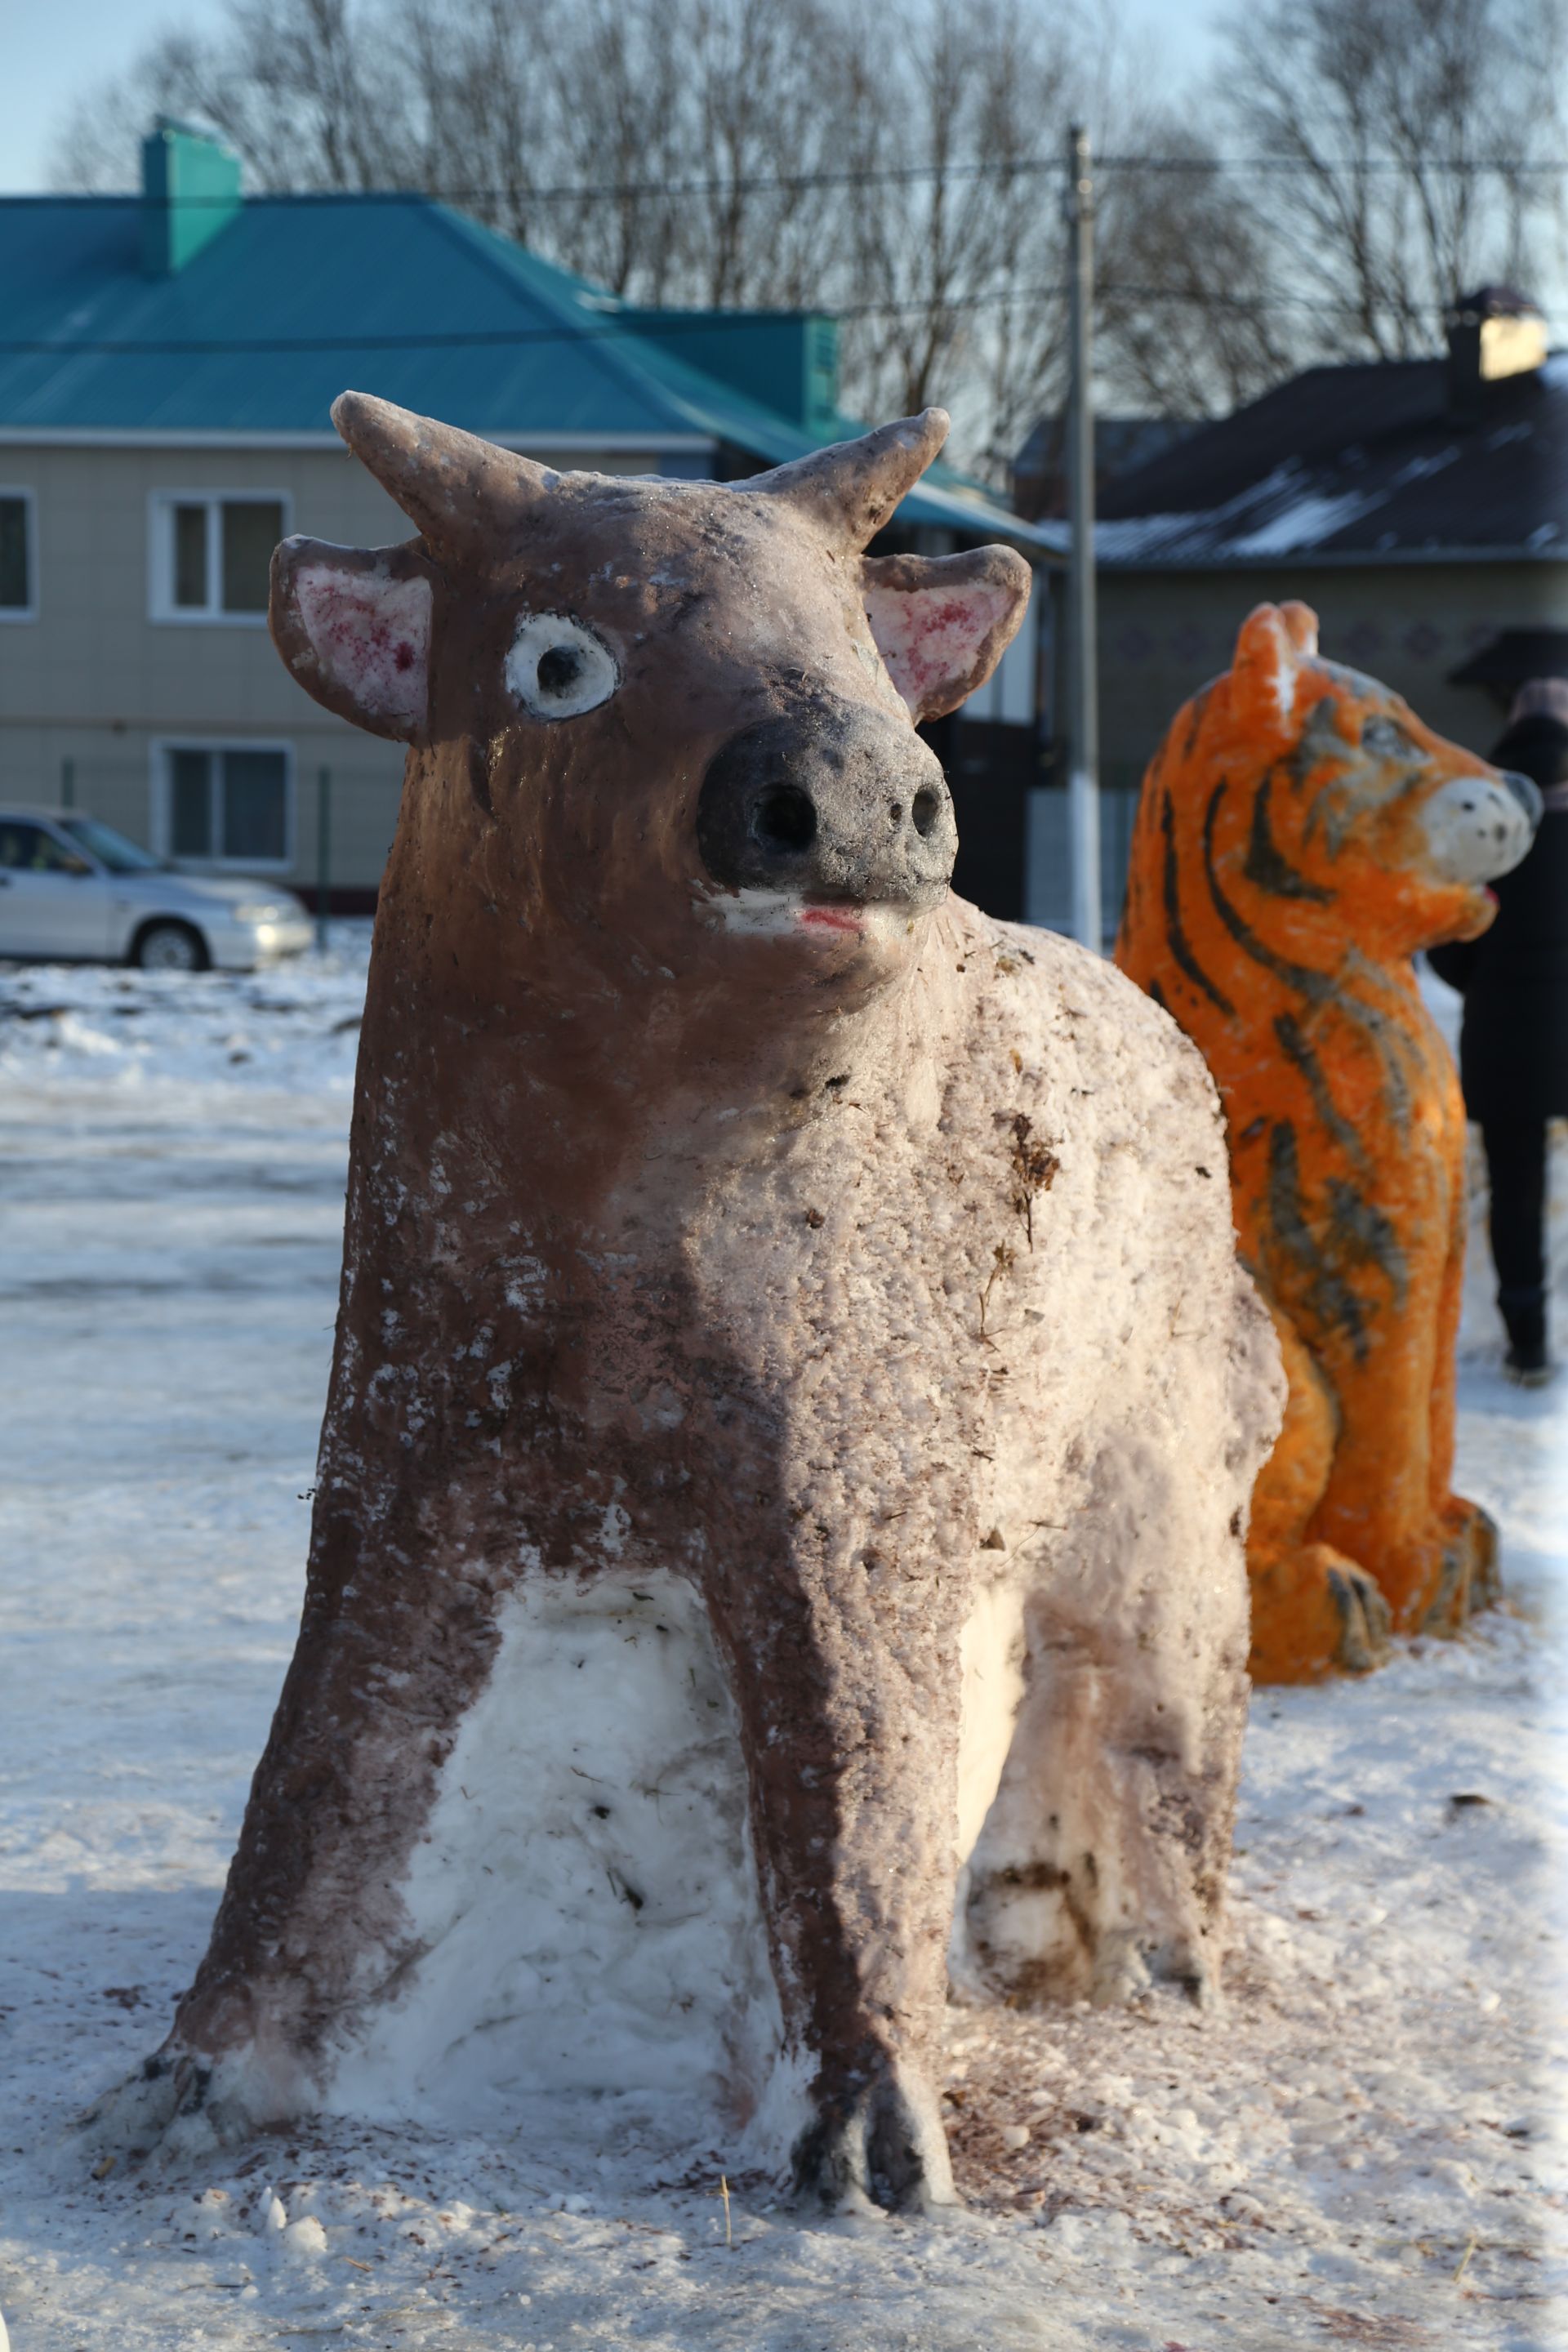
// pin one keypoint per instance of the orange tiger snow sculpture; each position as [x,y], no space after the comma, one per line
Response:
[1300,835]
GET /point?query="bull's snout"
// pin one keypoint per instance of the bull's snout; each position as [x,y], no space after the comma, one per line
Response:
[833,801]
[1480,826]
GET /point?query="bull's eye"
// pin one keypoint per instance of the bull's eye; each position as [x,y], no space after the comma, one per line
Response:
[557,668]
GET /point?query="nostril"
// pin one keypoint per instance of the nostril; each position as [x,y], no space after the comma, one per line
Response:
[925,809]
[784,818]
[895,812]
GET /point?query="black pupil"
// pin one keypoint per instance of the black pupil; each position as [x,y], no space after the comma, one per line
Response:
[559,669]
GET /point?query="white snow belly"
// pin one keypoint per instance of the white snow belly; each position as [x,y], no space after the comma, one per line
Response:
[585,1895]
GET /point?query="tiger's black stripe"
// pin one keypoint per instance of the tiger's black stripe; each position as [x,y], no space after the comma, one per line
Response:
[1288,1030]
[1264,868]
[1329,1297]
[1389,1039]
[1173,931]
[1313,985]
[1367,1237]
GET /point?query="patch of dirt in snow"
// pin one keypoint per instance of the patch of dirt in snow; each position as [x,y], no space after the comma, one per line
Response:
[1360,2145]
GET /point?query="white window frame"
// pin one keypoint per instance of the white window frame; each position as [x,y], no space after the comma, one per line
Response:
[161,504]
[29,498]
[162,828]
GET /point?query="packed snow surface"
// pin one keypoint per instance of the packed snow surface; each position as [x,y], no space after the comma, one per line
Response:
[1361,2145]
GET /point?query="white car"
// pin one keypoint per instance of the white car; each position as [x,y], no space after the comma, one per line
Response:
[74,890]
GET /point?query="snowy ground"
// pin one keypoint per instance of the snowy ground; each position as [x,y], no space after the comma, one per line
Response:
[1352,2150]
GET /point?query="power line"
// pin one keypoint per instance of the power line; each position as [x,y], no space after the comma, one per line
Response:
[855,176]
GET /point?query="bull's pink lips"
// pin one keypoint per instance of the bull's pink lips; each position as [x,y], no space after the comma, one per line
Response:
[831,919]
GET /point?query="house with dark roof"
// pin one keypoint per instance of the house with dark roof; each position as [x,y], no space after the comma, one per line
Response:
[1419,506]
[167,364]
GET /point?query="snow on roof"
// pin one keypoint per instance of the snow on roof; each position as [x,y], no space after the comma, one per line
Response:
[1355,463]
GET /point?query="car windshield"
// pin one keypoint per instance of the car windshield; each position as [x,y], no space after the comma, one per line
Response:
[111,848]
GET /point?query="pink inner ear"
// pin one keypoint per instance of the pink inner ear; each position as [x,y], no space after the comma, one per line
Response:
[933,640]
[370,634]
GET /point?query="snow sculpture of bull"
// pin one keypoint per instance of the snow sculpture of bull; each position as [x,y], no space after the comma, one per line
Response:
[795,1404]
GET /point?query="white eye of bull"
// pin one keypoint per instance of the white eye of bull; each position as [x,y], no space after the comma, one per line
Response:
[557,668]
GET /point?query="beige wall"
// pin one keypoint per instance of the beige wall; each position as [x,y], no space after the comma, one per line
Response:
[1163,635]
[93,679]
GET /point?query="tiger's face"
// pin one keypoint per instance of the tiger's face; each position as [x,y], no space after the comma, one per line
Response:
[1359,809]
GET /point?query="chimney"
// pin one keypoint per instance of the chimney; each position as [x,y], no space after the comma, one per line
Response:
[190,190]
[1493,334]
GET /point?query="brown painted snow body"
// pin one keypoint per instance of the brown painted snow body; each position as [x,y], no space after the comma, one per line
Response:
[764,1273]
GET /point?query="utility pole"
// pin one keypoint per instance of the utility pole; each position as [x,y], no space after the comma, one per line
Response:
[1083,682]
[324,854]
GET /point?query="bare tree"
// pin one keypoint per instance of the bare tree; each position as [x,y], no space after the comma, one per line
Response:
[1188,323]
[1401,147]
[966,94]
[895,161]
[769,117]
[303,90]
[620,131]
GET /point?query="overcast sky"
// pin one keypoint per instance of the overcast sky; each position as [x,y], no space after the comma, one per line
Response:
[52,49]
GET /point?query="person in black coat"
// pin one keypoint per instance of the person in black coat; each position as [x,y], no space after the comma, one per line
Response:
[1513,1046]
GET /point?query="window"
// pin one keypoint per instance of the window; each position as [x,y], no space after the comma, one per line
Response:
[19,558]
[224,804]
[111,849]
[211,555]
[28,849]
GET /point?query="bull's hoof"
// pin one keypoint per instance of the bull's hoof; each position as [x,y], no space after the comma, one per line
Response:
[880,2149]
[170,2104]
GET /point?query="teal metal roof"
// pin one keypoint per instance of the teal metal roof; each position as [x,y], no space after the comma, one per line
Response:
[299,297]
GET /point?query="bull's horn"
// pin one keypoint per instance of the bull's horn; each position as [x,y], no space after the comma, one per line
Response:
[851,488]
[452,484]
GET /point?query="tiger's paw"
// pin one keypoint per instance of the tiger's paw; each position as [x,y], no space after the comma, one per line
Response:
[1469,1579]
[1463,1569]
[1314,1614]
[1437,1577]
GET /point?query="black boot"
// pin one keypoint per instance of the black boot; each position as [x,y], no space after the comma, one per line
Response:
[1526,1362]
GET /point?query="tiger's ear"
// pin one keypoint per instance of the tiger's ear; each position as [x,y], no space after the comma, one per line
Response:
[1275,640]
[943,622]
[353,626]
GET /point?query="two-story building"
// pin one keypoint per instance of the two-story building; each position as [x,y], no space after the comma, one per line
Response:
[167,365]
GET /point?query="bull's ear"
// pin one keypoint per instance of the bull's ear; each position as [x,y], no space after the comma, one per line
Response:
[353,626]
[1276,640]
[943,623]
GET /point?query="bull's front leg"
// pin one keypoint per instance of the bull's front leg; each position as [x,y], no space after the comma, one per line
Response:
[848,1687]
[396,1636]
